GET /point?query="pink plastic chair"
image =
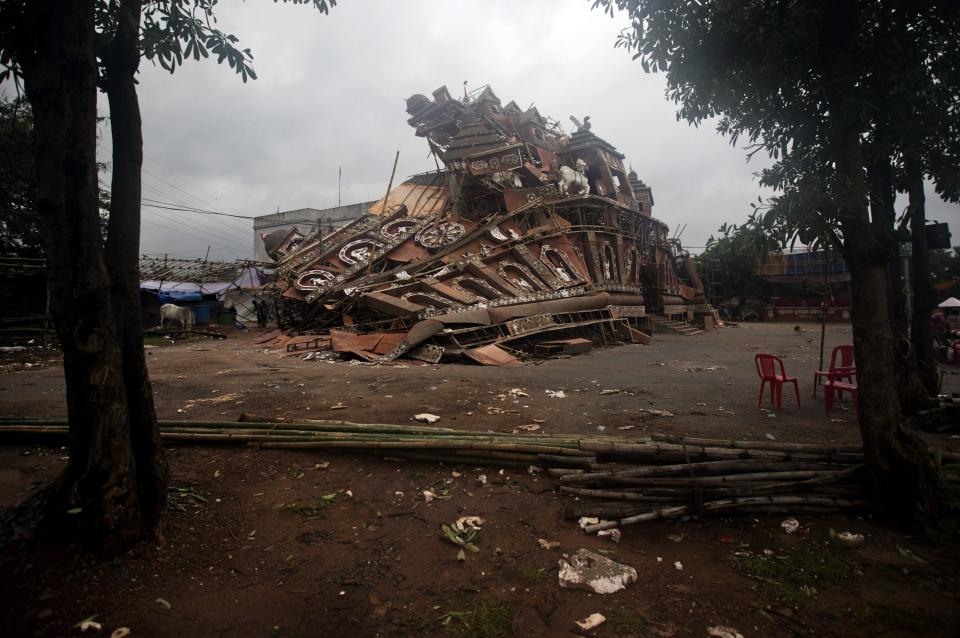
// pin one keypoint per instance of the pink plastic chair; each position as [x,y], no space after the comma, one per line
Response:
[767,369]
[837,372]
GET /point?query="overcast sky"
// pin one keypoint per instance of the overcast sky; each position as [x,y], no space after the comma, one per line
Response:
[331,93]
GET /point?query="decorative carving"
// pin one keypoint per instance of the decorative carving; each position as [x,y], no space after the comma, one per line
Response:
[313,279]
[440,235]
[397,227]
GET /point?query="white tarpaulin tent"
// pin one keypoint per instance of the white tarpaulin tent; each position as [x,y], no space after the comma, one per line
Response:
[952,302]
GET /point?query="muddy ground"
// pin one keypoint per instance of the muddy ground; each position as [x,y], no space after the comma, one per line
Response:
[251,549]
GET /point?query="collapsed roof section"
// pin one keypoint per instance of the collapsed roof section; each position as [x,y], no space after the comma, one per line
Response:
[525,231]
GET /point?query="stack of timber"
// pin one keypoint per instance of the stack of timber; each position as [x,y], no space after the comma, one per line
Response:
[623,480]
[672,477]
[412,442]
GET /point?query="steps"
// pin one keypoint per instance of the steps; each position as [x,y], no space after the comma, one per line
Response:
[663,323]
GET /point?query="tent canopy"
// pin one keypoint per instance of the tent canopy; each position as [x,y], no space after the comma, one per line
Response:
[952,302]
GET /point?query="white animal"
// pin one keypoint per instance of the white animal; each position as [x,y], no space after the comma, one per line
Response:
[507,179]
[173,312]
[576,178]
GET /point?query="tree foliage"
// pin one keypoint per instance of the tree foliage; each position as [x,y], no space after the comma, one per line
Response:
[112,491]
[19,227]
[737,251]
[841,93]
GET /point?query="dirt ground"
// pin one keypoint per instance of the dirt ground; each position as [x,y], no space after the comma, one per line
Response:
[253,549]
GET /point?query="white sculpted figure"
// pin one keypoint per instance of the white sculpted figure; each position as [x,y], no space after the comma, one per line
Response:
[576,178]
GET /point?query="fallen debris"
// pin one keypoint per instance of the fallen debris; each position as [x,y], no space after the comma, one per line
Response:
[455,262]
[556,394]
[720,631]
[594,572]
[848,538]
[612,534]
[468,522]
[548,545]
[89,623]
[425,417]
[591,622]
[790,525]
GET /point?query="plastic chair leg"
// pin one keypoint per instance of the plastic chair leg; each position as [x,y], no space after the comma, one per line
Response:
[796,388]
[763,382]
[779,392]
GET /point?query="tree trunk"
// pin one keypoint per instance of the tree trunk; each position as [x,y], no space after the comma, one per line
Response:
[121,58]
[910,390]
[925,297]
[903,478]
[96,497]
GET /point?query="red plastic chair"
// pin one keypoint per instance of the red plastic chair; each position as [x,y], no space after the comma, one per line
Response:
[766,368]
[844,370]
[837,387]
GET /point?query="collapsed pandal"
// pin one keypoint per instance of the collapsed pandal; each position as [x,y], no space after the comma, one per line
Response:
[527,237]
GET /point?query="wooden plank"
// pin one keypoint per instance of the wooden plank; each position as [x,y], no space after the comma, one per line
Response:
[492,355]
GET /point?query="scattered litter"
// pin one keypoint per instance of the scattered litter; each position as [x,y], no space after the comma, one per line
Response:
[428,495]
[626,427]
[594,572]
[908,553]
[613,534]
[601,428]
[548,545]
[530,427]
[587,520]
[12,348]
[338,406]
[847,538]
[720,631]
[661,413]
[591,622]
[426,417]
[166,604]
[455,474]
[120,632]
[790,525]
[677,565]
[482,479]
[517,392]
[771,437]
[725,539]
[468,522]
[659,559]
[556,394]
[89,623]
[702,369]
[604,392]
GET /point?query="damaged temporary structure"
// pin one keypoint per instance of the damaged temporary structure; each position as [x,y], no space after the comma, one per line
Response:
[525,235]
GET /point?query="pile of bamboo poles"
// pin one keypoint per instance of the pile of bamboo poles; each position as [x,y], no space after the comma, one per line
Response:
[413,442]
[624,480]
[671,477]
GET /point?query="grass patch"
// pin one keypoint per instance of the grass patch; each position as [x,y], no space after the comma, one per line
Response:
[477,619]
[155,340]
[794,578]
[627,625]
[898,619]
[527,574]
[312,511]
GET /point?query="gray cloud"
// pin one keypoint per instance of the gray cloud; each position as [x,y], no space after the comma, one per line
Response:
[330,94]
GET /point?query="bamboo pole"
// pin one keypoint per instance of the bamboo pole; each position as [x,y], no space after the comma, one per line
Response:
[728,504]
[812,448]
[697,469]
